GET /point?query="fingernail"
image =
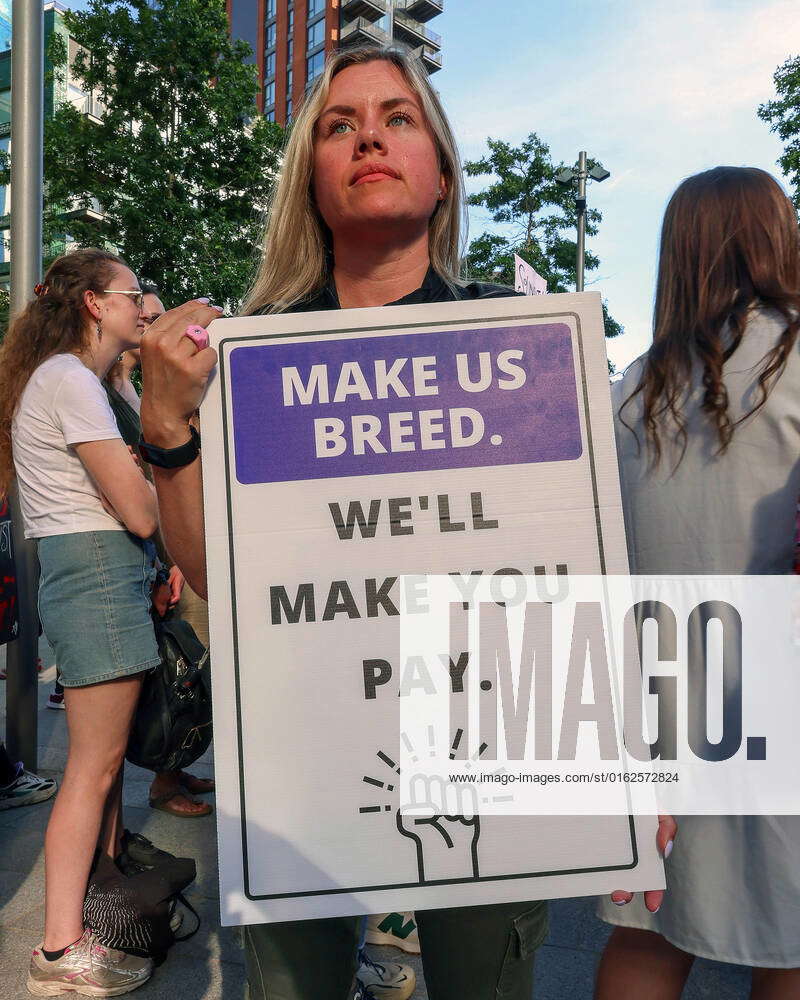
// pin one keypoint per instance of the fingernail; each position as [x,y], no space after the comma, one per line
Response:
[656,909]
[668,849]
[620,902]
[203,298]
[219,308]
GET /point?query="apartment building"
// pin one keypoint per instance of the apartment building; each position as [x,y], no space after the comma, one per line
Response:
[290,39]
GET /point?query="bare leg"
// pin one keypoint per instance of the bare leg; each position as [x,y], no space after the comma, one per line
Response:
[775,984]
[637,964]
[99,720]
[111,830]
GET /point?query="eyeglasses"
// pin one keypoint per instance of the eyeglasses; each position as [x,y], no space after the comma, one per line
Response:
[137,297]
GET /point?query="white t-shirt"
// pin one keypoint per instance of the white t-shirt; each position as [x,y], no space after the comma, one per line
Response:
[62,405]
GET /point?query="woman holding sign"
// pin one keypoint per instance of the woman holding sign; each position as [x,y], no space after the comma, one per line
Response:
[707,426]
[367,212]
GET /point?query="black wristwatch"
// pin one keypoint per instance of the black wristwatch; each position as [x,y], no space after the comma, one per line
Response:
[172,458]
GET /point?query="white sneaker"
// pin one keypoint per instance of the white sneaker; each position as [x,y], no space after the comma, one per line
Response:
[26,789]
[88,968]
[385,980]
[396,929]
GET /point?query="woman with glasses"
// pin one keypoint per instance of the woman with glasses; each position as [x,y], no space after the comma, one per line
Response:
[91,510]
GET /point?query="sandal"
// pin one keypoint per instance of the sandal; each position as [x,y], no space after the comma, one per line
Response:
[194,785]
[167,803]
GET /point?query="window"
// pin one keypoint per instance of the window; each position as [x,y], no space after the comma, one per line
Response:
[269,66]
[270,36]
[316,35]
[315,7]
[269,93]
[270,115]
[290,50]
[288,110]
[289,80]
[270,9]
[314,66]
[291,20]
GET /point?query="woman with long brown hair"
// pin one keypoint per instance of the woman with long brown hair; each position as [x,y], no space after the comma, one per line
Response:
[708,437]
[89,507]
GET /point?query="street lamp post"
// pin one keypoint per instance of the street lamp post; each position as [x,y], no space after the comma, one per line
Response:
[27,126]
[577,179]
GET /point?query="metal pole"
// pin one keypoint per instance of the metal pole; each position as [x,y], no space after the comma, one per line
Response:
[27,127]
[580,204]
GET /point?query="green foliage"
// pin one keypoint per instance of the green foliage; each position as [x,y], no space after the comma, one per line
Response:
[176,163]
[537,213]
[783,117]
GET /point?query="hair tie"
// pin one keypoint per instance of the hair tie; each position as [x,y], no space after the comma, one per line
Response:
[40,290]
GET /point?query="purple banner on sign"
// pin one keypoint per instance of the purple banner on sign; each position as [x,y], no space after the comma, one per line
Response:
[445,400]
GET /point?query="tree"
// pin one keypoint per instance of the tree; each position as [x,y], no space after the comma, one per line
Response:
[536,212]
[783,117]
[173,168]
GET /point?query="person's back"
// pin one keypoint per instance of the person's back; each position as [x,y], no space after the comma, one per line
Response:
[729,512]
[708,437]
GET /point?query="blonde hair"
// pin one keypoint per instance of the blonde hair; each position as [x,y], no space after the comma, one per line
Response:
[294,257]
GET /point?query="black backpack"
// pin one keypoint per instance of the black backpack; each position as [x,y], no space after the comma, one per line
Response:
[132,913]
[172,725]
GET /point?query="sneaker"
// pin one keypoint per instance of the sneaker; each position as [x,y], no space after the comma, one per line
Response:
[138,850]
[363,992]
[88,968]
[56,701]
[396,929]
[26,789]
[385,980]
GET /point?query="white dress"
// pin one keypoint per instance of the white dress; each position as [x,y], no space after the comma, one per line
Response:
[733,883]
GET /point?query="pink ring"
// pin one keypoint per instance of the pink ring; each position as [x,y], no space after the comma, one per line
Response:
[198,336]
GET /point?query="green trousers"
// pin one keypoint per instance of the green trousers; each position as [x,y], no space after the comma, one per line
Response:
[468,953]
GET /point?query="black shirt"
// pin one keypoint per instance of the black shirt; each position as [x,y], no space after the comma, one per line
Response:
[432,289]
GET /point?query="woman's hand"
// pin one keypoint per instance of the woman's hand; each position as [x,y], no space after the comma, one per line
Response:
[176,580]
[174,373]
[667,831]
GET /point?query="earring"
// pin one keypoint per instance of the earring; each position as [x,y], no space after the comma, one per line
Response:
[119,358]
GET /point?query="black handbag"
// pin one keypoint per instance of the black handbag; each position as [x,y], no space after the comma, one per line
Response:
[172,725]
[133,913]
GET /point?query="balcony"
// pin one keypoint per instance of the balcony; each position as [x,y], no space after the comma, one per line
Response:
[371,10]
[407,30]
[362,32]
[421,10]
[431,59]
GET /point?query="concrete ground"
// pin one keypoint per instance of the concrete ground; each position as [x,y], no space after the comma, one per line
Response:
[211,965]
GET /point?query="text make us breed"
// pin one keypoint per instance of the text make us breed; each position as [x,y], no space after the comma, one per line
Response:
[459,427]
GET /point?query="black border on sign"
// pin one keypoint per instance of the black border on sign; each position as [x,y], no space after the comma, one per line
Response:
[422,328]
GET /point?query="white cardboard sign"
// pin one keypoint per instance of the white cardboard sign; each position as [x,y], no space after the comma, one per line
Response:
[342,450]
[526,279]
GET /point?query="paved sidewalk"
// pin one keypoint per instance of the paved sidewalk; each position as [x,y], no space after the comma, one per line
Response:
[211,965]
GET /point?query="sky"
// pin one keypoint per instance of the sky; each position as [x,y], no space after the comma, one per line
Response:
[655,91]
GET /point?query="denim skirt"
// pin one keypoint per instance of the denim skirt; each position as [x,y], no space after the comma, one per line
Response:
[94,604]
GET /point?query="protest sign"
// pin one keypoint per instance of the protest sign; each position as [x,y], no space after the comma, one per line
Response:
[343,451]
[526,279]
